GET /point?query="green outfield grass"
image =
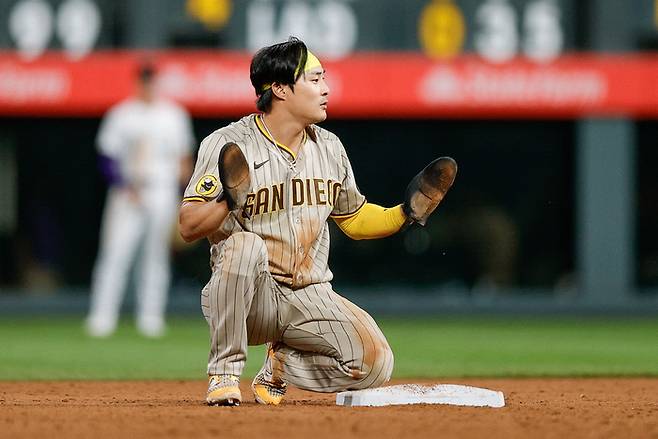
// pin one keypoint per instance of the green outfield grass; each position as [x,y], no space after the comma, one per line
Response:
[441,347]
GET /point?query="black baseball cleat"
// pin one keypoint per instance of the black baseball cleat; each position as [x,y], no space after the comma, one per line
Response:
[234,175]
[427,189]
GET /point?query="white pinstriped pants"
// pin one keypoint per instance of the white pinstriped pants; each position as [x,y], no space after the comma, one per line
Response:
[126,224]
[322,341]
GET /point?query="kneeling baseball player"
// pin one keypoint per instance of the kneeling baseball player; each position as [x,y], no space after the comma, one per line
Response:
[262,191]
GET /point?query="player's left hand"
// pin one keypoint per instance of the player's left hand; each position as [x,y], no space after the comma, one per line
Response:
[427,189]
[234,175]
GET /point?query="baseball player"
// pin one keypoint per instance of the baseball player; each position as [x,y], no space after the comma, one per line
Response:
[144,144]
[262,191]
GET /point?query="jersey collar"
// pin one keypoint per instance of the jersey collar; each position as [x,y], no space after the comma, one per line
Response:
[261,128]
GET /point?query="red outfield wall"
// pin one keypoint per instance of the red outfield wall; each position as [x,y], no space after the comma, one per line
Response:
[390,85]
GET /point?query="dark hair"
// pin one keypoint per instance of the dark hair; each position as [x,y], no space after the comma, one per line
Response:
[146,71]
[276,63]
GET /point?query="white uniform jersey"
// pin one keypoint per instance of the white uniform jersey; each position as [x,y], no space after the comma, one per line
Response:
[290,200]
[148,141]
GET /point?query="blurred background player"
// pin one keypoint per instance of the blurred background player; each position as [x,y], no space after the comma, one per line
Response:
[144,145]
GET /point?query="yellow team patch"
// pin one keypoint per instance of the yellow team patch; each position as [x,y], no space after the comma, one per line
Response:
[207,185]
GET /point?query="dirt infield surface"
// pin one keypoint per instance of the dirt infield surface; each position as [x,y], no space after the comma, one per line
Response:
[560,408]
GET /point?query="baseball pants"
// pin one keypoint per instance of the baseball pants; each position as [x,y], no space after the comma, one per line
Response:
[126,224]
[322,342]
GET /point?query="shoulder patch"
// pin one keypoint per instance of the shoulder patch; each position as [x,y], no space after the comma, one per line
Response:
[207,185]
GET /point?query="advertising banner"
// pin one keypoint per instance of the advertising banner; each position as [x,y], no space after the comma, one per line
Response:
[377,84]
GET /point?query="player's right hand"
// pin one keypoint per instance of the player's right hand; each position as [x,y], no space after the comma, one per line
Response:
[234,175]
[133,194]
[427,189]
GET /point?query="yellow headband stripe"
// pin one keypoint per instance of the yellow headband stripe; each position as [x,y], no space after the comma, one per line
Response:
[312,62]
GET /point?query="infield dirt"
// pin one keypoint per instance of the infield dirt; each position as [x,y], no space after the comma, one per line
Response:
[553,408]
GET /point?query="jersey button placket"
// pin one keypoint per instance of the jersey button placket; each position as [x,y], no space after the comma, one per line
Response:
[294,218]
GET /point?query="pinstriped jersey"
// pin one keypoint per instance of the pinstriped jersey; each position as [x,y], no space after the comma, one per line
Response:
[290,199]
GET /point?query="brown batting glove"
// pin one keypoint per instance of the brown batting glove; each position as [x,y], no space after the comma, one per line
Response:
[234,175]
[427,189]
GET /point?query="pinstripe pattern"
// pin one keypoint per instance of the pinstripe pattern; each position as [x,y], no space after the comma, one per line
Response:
[329,344]
[270,279]
[297,236]
[323,342]
[239,303]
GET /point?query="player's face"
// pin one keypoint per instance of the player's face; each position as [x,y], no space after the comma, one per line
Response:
[311,96]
